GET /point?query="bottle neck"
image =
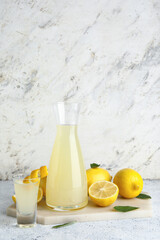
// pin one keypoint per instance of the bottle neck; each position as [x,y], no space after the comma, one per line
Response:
[67,114]
[66,129]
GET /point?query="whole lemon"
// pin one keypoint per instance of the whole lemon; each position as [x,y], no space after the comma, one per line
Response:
[129,182]
[97,174]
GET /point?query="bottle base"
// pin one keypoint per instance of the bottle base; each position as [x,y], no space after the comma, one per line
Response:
[68,208]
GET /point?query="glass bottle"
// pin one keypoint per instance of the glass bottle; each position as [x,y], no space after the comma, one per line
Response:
[66,181]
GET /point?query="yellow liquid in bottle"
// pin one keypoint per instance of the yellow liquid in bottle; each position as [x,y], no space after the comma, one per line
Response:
[66,181]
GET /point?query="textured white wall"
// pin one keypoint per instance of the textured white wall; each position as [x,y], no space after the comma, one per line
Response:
[105,54]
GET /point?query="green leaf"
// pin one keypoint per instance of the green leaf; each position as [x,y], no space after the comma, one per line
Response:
[94,165]
[143,196]
[125,208]
[64,224]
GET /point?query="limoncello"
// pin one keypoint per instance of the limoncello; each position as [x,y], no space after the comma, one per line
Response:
[66,181]
[26,197]
[26,201]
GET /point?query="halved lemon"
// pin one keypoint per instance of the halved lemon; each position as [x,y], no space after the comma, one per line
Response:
[39,197]
[103,193]
[43,171]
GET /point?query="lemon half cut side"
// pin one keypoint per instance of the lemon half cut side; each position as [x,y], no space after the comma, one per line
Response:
[103,193]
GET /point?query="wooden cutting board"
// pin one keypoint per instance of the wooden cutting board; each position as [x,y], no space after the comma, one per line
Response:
[45,215]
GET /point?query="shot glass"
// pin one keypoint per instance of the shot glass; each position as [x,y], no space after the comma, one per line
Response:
[26,192]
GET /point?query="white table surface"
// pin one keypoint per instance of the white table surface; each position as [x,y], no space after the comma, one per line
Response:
[130,229]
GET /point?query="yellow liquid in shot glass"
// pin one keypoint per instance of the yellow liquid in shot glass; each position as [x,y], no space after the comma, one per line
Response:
[26,197]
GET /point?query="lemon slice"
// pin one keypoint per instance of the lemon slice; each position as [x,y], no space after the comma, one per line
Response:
[43,171]
[40,194]
[14,198]
[103,193]
[43,185]
[39,197]
[35,174]
[27,179]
